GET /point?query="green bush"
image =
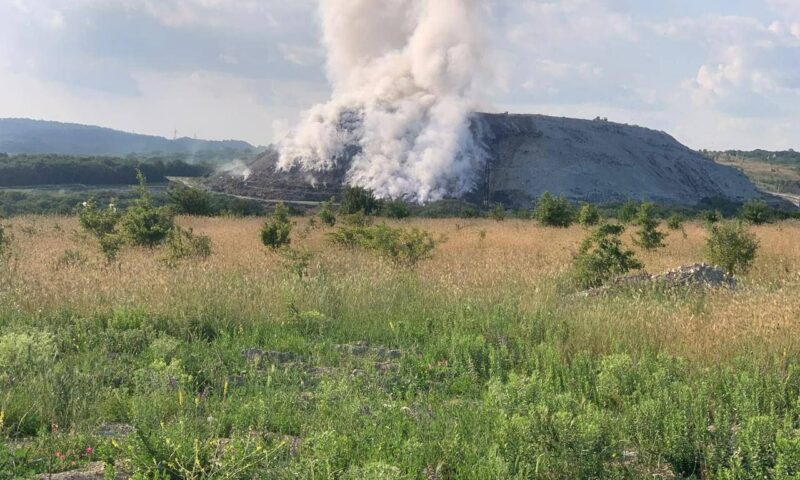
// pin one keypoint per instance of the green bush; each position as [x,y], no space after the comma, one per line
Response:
[144,224]
[397,209]
[627,211]
[182,244]
[731,246]
[5,241]
[711,216]
[554,211]
[602,257]
[675,221]
[326,215]
[190,201]
[357,199]
[401,246]
[276,233]
[498,213]
[588,215]
[756,212]
[648,235]
[98,221]
[26,351]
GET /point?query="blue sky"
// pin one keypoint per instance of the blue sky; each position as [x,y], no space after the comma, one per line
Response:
[714,73]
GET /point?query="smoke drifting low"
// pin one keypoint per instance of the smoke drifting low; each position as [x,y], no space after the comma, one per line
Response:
[405,77]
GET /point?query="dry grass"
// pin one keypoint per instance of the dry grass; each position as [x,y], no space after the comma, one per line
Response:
[516,261]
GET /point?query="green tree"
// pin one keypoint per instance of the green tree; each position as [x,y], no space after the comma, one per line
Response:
[144,224]
[711,216]
[627,212]
[326,215]
[675,221]
[648,235]
[756,212]
[190,201]
[357,199]
[276,233]
[602,257]
[396,209]
[98,221]
[731,246]
[554,211]
[588,215]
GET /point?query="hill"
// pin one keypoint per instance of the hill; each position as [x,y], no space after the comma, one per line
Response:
[586,160]
[777,172]
[25,136]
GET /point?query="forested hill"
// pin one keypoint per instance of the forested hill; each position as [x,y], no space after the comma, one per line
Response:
[24,136]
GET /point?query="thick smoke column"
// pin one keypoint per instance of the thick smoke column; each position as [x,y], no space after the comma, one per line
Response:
[405,77]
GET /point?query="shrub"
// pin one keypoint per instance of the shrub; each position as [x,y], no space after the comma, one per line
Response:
[297,261]
[588,215]
[98,221]
[648,235]
[5,241]
[190,201]
[326,215]
[276,233]
[22,352]
[357,199]
[756,212]
[396,209]
[143,224]
[627,212]
[110,245]
[711,216]
[554,211]
[403,247]
[731,247]
[498,213]
[182,244]
[675,221]
[602,257]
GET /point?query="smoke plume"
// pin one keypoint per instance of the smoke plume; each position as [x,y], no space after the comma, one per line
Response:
[405,77]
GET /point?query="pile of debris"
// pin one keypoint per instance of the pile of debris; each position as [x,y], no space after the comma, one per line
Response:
[698,274]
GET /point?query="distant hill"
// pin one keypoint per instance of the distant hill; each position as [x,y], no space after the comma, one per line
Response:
[772,171]
[25,136]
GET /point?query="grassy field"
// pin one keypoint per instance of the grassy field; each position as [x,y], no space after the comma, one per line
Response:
[478,364]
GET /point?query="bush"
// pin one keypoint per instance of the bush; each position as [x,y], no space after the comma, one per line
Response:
[498,213]
[731,247]
[588,215]
[326,215]
[403,247]
[22,352]
[711,216]
[276,233]
[183,244]
[602,257]
[190,201]
[143,224]
[554,211]
[627,212]
[357,199]
[675,221]
[648,235]
[396,209]
[756,212]
[5,241]
[98,221]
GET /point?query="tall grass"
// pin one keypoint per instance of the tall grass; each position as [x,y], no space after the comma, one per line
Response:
[478,364]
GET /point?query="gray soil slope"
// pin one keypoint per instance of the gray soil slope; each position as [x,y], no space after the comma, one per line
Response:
[586,160]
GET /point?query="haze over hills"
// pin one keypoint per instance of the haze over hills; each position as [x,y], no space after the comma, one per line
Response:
[26,136]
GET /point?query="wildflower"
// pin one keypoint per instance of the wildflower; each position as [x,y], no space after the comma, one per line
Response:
[89,450]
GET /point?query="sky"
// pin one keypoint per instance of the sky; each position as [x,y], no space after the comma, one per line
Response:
[716,74]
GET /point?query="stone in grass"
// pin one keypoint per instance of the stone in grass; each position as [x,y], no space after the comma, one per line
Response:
[698,274]
[363,348]
[115,430]
[93,471]
[256,355]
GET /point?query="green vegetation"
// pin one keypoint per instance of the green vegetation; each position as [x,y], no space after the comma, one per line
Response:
[397,209]
[627,211]
[29,170]
[731,247]
[276,233]
[143,223]
[183,244]
[357,199]
[756,212]
[676,221]
[771,171]
[648,236]
[326,215]
[602,257]
[589,215]
[190,201]
[498,213]
[403,247]
[554,211]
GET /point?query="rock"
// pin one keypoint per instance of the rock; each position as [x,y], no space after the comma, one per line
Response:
[115,430]
[698,274]
[256,355]
[93,471]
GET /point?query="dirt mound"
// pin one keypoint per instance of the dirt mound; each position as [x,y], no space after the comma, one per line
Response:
[586,160]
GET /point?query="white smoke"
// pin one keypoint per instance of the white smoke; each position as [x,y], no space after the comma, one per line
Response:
[405,77]
[236,168]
